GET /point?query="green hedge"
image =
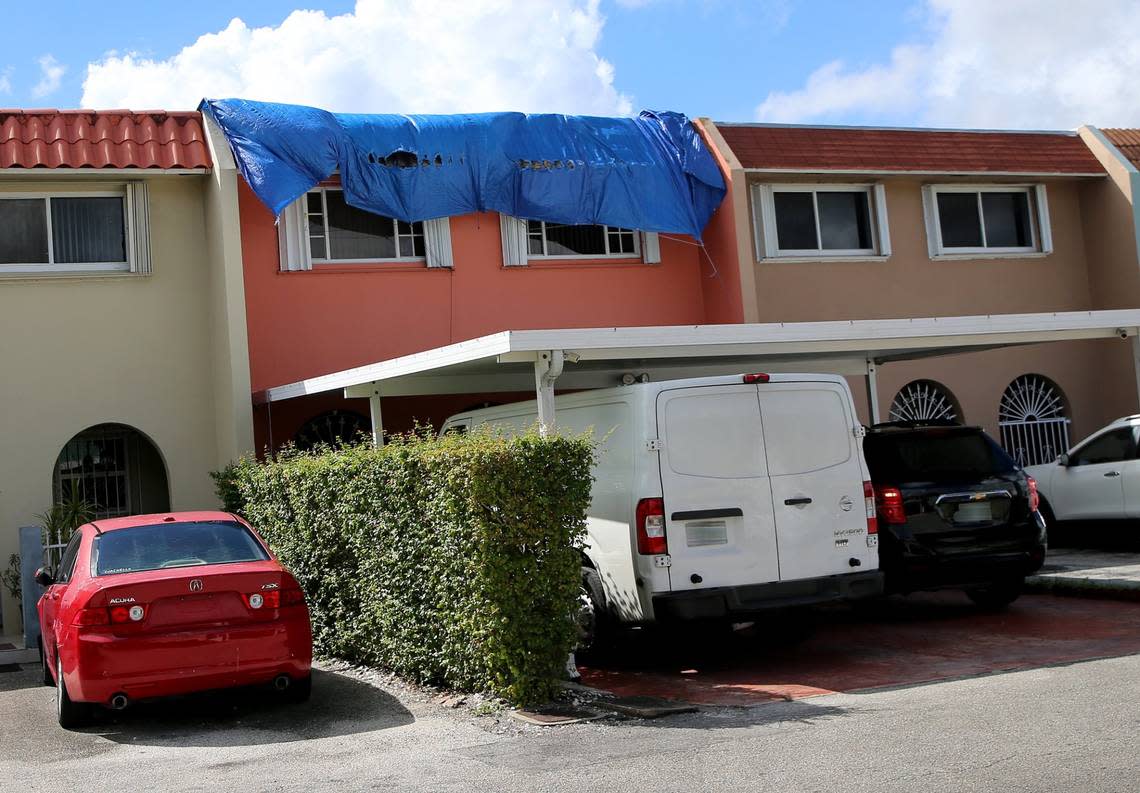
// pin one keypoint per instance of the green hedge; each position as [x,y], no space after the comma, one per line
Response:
[452,561]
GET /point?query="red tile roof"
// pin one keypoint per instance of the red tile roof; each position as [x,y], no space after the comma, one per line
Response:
[920,150]
[1127,140]
[102,139]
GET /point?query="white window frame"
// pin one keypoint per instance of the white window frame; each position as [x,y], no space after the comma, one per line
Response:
[1040,230]
[135,231]
[636,254]
[324,262]
[764,222]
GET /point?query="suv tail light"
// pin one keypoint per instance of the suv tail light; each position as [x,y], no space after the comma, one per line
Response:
[651,527]
[1034,497]
[890,503]
[869,502]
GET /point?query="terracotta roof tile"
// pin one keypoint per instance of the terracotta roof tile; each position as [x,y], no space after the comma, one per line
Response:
[920,150]
[1127,140]
[153,139]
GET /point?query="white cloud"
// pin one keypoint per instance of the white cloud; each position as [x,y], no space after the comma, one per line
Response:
[6,80]
[51,74]
[1016,63]
[411,56]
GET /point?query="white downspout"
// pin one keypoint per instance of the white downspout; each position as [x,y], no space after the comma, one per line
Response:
[547,368]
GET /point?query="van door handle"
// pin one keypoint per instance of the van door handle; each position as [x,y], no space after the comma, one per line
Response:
[698,514]
[1113,473]
[797,502]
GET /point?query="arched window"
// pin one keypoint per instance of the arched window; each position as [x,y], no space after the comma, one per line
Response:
[924,400]
[332,428]
[115,469]
[1034,420]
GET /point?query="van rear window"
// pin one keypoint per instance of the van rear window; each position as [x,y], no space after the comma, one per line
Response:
[174,545]
[950,455]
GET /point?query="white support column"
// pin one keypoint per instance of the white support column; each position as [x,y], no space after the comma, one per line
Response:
[377,419]
[873,391]
[547,368]
[1136,365]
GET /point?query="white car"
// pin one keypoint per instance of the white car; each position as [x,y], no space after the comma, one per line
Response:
[1098,479]
[718,496]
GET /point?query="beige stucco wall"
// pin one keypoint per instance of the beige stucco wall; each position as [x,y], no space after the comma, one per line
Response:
[136,350]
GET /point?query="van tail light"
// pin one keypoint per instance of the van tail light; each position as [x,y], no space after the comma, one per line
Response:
[274,599]
[890,503]
[651,527]
[1034,496]
[758,377]
[869,503]
[123,614]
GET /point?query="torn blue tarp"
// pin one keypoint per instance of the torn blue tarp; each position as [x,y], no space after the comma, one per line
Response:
[652,173]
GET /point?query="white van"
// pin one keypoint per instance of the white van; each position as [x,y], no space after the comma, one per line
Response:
[718,496]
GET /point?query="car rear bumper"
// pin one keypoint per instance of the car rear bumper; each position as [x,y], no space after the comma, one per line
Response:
[183,662]
[915,573]
[725,601]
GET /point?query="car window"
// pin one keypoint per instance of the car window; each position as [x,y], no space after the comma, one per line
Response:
[174,545]
[67,561]
[936,455]
[1111,447]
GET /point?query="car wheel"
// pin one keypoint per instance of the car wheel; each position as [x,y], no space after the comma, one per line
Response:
[591,612]
[300,690]
[997,595]
[48,679]
[70,714]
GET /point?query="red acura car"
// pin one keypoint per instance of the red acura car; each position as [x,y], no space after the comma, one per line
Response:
[160,605]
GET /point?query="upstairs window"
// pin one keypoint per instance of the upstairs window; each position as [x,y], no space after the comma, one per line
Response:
[73,232]
[819,221]
[340,233]
[554,240]
[965,220]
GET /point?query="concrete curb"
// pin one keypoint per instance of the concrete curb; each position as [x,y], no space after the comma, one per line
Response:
[1111,588]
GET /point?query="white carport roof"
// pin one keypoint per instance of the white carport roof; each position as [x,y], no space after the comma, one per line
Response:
[598,357]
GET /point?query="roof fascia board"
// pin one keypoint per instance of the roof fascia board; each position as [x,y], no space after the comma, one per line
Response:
[889,172]
[63,174]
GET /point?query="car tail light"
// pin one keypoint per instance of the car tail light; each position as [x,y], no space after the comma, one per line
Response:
[113,615]
[869,503]
[1034,497]
[651,527]
[890,503]
[99,616]
[121,615]
[274,599]
[757,377]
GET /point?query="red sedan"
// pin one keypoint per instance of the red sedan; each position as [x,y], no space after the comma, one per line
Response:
[160,605]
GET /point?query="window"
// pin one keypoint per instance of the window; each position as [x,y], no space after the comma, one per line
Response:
[67,561]
[1111,447]
[818,221]
[339,232]
[88,231]
[998,219]
[552,240]
[941,455]
[167,545]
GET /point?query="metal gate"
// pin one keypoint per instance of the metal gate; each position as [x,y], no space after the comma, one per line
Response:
[1033,420]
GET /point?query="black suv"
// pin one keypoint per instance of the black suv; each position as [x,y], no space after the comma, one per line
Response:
[955,511]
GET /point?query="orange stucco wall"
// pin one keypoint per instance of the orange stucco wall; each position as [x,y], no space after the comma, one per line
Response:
[303,324]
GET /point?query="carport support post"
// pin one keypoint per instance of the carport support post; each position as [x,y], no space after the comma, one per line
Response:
[377,419]
[873,391]
[547,368]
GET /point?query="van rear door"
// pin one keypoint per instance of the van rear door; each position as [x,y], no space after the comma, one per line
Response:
[816,473]
[719,521]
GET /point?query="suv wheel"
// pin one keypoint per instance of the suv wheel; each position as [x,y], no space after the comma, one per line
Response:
[591,612]
[997,595]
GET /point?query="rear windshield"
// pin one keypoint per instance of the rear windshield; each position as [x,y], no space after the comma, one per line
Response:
[951,455]
[174,545]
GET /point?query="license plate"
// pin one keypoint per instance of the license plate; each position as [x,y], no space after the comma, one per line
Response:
[974,512]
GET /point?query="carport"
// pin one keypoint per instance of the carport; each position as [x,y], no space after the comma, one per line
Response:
[574,359]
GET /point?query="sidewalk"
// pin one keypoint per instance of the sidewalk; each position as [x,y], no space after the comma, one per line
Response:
[1079,571]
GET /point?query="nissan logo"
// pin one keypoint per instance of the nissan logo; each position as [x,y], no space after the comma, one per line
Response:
[196,585]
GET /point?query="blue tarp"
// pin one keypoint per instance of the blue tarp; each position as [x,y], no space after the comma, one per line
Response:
[652,173]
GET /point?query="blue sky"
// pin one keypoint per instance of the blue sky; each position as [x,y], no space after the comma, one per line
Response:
[1046,63]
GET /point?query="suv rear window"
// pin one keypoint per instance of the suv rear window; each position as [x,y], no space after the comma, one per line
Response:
[174,545]
[940,455]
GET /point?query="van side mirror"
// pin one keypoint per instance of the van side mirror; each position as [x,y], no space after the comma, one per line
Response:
[1063,460]
[44,577]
